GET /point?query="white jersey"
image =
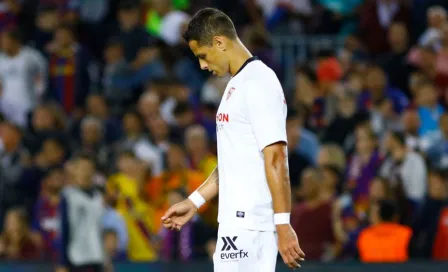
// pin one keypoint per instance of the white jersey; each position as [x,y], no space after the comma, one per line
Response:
[22,81]
[251,116]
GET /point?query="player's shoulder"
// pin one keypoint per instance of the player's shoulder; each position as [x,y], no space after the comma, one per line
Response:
[258,71]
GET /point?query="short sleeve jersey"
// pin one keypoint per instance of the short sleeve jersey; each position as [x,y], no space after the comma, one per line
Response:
[251,116]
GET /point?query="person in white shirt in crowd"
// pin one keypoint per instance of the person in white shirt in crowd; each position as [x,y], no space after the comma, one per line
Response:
[252,173]
[23,74]
[406,170]
[172,21]
[437,17]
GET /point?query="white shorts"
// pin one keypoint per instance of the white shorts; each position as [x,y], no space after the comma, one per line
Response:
[242,250]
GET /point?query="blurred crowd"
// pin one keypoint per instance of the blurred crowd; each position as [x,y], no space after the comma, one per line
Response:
[367,124]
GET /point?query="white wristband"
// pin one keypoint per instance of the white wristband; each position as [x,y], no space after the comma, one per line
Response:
[281,218]
[197,199]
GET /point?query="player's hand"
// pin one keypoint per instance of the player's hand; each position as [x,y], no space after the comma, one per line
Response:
[288,246]
[179,214]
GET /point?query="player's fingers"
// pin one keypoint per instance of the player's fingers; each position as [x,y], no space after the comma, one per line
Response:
[285,259]
[288,259]
[166,221]
[296,256]
[167,225]
[168,213]
[293,261]
[299,252]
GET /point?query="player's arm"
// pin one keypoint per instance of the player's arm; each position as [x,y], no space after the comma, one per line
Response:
[209,189]
[277,175]
[266,112]
[179,214]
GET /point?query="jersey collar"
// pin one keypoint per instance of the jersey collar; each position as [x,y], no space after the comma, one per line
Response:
[249,60]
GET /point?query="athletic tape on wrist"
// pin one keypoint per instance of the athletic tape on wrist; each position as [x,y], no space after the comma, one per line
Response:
[281,218]
[197,199]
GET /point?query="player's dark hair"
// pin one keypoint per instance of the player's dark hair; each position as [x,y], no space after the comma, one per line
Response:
[387,210]
[208,23]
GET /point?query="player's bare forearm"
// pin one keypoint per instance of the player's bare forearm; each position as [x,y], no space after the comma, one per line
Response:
[209,189]
[277,174]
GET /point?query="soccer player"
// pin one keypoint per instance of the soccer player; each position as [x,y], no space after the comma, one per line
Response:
[252,173]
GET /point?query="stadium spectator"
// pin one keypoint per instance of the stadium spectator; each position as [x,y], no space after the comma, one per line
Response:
[380,190]
[92,141]
[332,182]
[69,64]
[341,128]
[332,155]
[47,121]
[115,67]
[47,19]
[97,106]
[407,172]
[52,154]
[394,62]
[300,162]
[81,246]
[171,21]
[362,168]
[428,228]
[436,152]
[112,247]
[436,17]
[197,145]
[385,240]
[376,17]
[17,241]
[411,127]
[45,214]
[312,219]
[23,73]
[428,108]
[11,169]
[127,189]
[136,41]
[115,234]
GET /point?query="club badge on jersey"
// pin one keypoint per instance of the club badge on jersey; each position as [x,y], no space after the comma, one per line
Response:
[229,93]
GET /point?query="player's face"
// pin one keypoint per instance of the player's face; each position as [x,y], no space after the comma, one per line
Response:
[211,57]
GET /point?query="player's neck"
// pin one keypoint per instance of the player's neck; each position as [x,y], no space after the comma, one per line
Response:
[239,54]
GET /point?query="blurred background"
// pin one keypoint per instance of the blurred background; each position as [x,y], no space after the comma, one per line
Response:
[367,89]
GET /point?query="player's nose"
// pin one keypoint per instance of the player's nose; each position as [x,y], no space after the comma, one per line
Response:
[203,64]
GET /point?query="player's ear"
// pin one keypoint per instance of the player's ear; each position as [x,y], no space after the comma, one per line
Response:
[219,43]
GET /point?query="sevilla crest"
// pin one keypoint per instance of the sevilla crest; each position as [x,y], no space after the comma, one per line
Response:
[229,93]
